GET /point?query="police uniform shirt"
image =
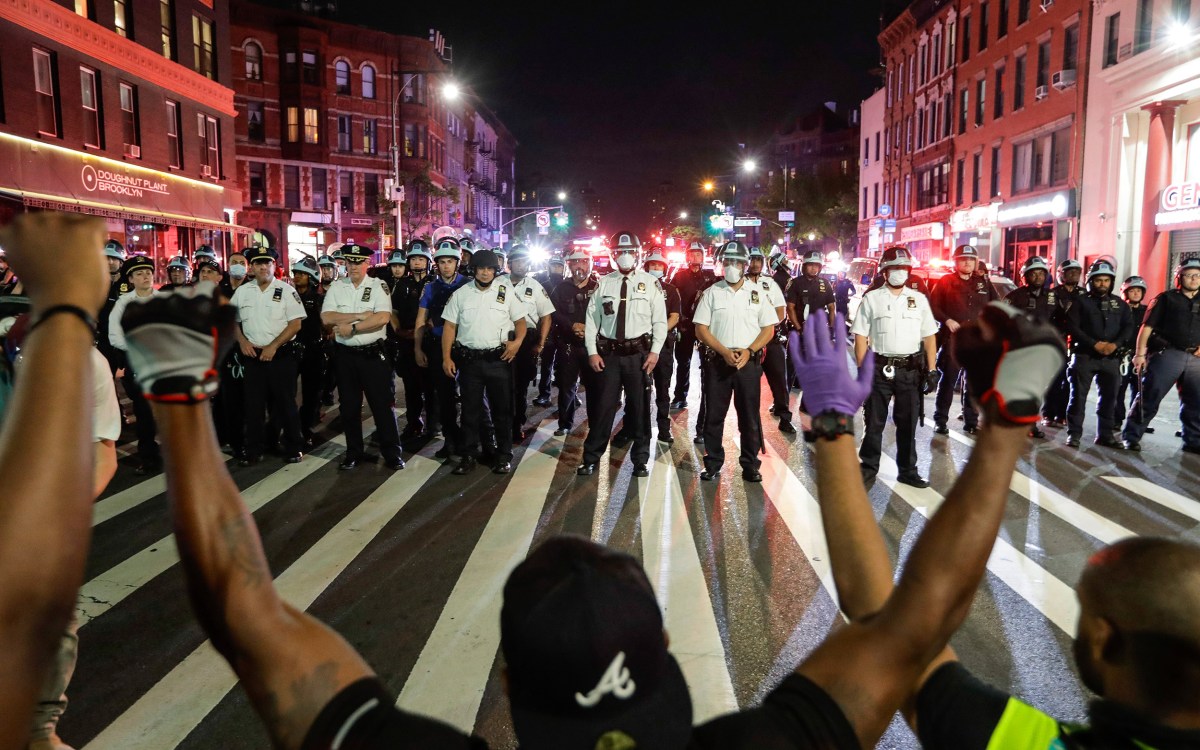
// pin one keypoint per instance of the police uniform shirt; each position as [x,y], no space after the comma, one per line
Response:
[645,311]
[894,324]
[571,304]
[264,313]
[773,292]
[1099,317]
[370,296]
[809,294]
[406,300]
[671,299]
[1036,301]
[1176,319]
[533,298]
[962,301]
[116,332]
[484,316]
[735,317]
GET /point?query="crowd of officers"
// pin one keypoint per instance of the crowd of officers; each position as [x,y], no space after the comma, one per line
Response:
[470,330]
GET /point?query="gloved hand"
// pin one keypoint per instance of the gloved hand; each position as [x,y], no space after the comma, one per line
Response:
[1011,359]
[932,378]
[822,370]
[175,341]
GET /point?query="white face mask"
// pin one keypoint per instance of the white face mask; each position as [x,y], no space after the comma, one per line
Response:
[342,272]
[237,271]
[733,274]
[656,273]
[626,262]
[897,277]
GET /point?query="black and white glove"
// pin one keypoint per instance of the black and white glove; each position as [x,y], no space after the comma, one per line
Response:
[1010,358]
[175,341]
[930,383]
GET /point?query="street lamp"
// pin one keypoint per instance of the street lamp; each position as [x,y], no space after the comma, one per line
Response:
[749,166]
[450,92]
[562,195]
[708,186]
[683,214]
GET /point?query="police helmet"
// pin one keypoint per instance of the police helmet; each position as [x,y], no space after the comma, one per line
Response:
[895,257]
[1102,268]
[337,252]
[777,260]
[695,247]
[1034,263]
[501,257]
[966,251]
[557,258]
[446,248]
[813,256]
[114,249]
[624,242]
[396,258]
[486,259]
[307,265]
[419,249]
[1133,282]
[1191,264]
[465,244]
[355,253]
[579,254]
[734,250]
[325,260]
[756,252]
[204,251]
[178,263]
[656,256]
[518,252]
[1069,264]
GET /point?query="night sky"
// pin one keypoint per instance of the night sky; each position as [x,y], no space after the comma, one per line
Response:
[622,97]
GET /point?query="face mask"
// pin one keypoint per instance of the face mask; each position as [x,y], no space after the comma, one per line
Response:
[237,271]
[626,262]
[482,285]
[733,274]
[897,277]
[342,272]
[656,273]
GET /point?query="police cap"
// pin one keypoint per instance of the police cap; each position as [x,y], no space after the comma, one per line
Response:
[207,262]
[137,263]
[256,254]
[355,253]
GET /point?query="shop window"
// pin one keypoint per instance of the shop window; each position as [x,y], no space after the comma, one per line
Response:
[312,125]
[45,83]
[122,20]
[368,82]
[344,125]
[1019,83]
[166,28]
[293,124]
[341,76]
[308,68]
[255,128]
[346,190]
[258,183]
[174,138]
[130,132]
[89,96]
[210,144]
[1112,39]
[998,95]
[320,189]
[370,136]
[254,58]
[291,186]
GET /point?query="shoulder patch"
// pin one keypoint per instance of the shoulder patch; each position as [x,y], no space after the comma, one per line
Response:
[296,295]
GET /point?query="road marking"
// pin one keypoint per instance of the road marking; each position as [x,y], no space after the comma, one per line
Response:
[452,672]
[129,498]
[801,514]
[673,566]
[1086,520]
[167,713]
[1161,495]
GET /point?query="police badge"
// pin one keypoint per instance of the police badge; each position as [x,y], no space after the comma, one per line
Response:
[366,295]
[912,303]
[641,287]
[278,294]
[754,296]
[500,293]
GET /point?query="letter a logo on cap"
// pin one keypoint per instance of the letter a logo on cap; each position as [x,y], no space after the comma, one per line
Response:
[615,680]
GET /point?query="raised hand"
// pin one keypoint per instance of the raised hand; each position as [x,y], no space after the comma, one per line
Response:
[822,367]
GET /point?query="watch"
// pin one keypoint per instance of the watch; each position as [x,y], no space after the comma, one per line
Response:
[829,424]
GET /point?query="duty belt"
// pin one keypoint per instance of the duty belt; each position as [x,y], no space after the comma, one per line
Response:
[909,361]
[712,355]
[467,354]
[621,347]
[375,349]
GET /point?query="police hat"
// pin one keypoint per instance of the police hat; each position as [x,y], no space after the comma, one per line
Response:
[178,262]
[695,247]
[464,243]
[1069,264]
[1191,264]
[486,259]
[307,265]
[325,260]
[1034,263]
[501,253]
[396,258]
[557,258]
[624,241]
[446,248]
[734,250]
[256,254]
[894,257]
[137,263]
[756,252]
[1102,268]
[207,262]
[354,253]
[813,256]
[418,246]
[655,256]
[336,253]
[777,260]
[204,251]
[114,249]
[966,251]
[579,254]
[1133,282]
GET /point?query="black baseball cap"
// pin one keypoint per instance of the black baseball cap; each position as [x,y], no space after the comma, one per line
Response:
[588,666]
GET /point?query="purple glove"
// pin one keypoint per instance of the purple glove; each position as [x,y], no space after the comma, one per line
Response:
[822,371]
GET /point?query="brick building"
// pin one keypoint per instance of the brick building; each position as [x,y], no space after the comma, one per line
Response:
[871,222]
[124,110]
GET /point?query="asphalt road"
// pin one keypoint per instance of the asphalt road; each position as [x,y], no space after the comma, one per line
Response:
[408,566]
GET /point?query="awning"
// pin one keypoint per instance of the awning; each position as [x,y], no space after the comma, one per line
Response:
[110,211]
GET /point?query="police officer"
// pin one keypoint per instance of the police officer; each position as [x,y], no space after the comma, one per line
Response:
[427,339]
[1168,354]
[328,271]
[532,298]
[1133,289]
[690,282]
[271,314]
[306,278]
[420,399]
[625,329]
[843,290]
[549,279]
[1036,299]
[774,359]
[957,299]
[397,267]
[896,323]
[139,270]
[571,300]
[502,259]
[1054,408]
[178,271]
[466,248]
[339,260]
[807,293]
[1099,324]
[484,326]
[656,265]
[780,269]
[734,321]
[114,252]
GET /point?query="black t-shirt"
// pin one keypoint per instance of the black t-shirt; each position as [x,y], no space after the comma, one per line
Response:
[1176,318]
[813,291]
[797,714]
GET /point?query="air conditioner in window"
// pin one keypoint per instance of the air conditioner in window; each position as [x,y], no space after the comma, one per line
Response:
[1063,79]
[1041,92]
[206,170]
[133,151]
[1046,4]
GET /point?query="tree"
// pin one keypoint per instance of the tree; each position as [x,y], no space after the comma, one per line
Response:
[826,203]
[687,234]
[422,199]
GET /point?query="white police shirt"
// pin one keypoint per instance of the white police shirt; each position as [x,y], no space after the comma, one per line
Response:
[645,310]
[533,298]
[735,317]
[894,324]
[116,332]
[370,296]
[484,317]
[264,313]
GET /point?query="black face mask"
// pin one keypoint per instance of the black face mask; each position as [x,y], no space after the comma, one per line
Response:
[482,285]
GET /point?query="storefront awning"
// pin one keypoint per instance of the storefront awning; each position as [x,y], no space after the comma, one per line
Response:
[110,211]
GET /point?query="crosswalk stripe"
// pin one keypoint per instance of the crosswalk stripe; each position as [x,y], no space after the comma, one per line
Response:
[800,513]
[673,566]
[448,680]
[167,713]
[1166,498]
[1049,595]
[129,498]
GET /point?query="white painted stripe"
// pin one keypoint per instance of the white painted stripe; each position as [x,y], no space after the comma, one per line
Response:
[166,714]
[673,566]
[129,498]
[1168,499]
[800,513]
[1049,595]
[450,675]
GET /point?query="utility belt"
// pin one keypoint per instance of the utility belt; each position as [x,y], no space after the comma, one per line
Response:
[889,365]
[712,355]
[623,347]
[1087,351]
[292,347]
[464,354]
[375,349]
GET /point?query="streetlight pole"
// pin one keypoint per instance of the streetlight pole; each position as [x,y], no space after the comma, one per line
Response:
[397,196]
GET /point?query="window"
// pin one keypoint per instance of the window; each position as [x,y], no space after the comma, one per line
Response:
[293,124]
[341,76]
[320,189]
[255,129]
[1060,155]
[423,140]
[122,19]
[1071,47]
[83,8]
[291,186]
[965,36]
[288,71]
[976,170]
[45,84]
[1143,30]
[907,193]
[963,104]
[1043,64]
[980,100]
[258,183]
[1002,19]
[932,186]
[951,43]
[410,138]
[1022,11]
[875,200]
[308,68]
[1112,33]
[129,116]
[998,95]
[959,170]
[1181,10]
[995,186]
[920,128]
[370,192]
[312,125]
[864,205]
[908,134]
[1022,169]
[370,136]
[866,148]
[947,114]
[89,99]
[210,143]
[368,81]
[983,26]
[343,133]
[922,62]
[935,55]
[166,28]
[174,140]
[1019,83]
[876,145]
[253,62]
[203,61]
[346,190]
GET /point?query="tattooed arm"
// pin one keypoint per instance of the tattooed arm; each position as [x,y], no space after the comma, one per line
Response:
[290,663]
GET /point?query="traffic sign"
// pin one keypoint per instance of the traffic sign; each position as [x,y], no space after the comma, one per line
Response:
[889,223]
[543,220]
[747,221]
[543,230]
[787,215]
[885,210]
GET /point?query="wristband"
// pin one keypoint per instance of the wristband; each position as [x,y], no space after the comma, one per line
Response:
[78,312]
[828,425]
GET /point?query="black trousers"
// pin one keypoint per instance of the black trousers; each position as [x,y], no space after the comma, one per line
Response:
[945,392]
[329,382]
[147,446]
[774,366]
[446,390]
[622,372]
[524,370]
[1058,395]
[1126,393]
[312,377]
[684,349]
[1082,370]
[905,389]
[420,396]
[271,384]
[476,378]
[660,378]
[1173,367]
[547,364]
[229,405]
[571,366]
[721,383]
[362,374]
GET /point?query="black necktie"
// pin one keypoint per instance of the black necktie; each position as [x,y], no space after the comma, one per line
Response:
[621,310]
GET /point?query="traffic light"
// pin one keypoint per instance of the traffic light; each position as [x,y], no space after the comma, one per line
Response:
[561,219]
